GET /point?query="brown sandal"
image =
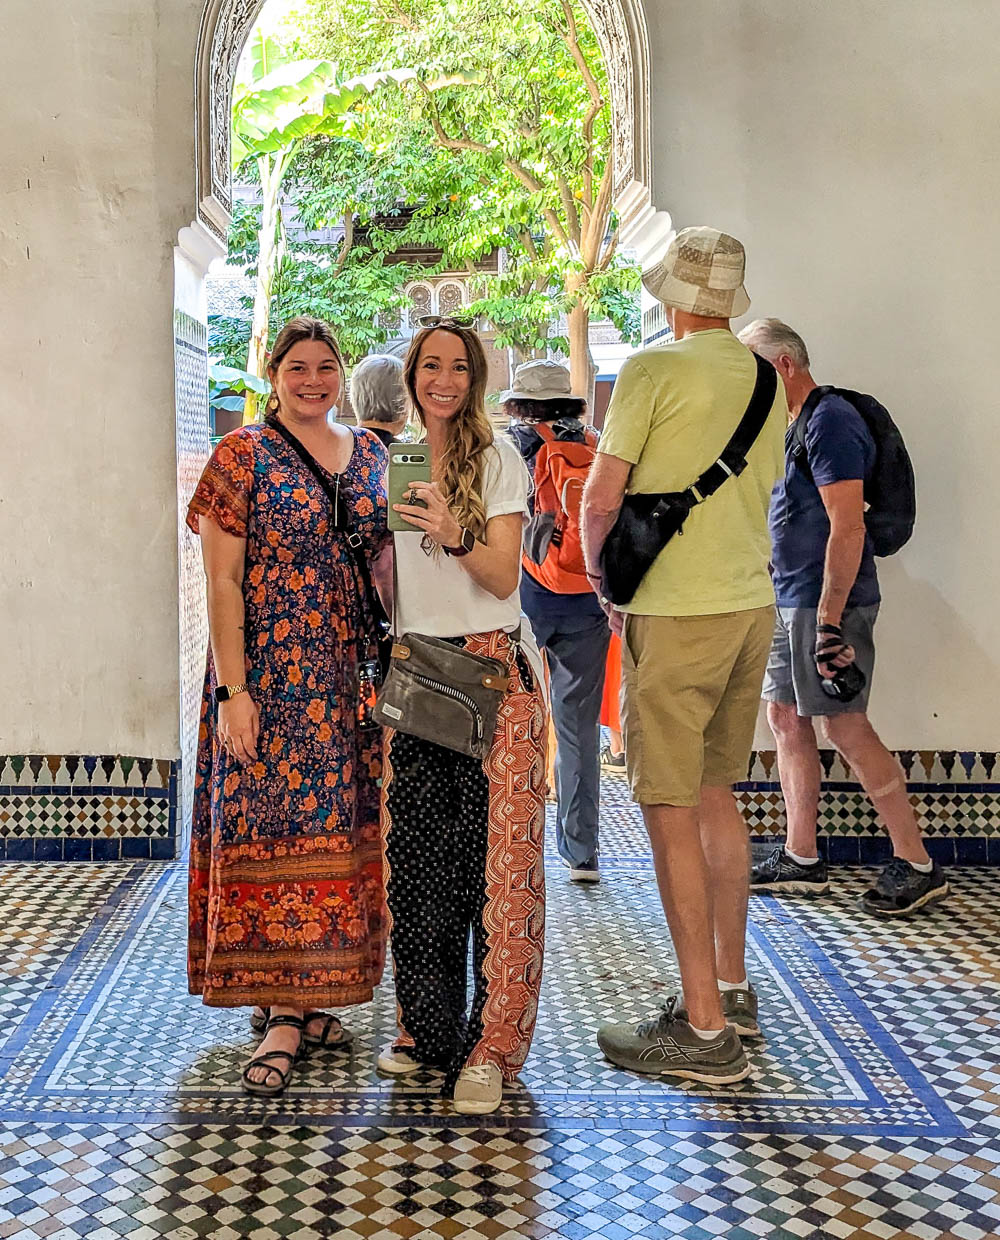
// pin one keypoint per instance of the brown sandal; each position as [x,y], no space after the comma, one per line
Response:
[265,1088]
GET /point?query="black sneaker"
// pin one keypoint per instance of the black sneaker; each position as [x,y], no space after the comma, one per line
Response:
[779,872]
[900,890]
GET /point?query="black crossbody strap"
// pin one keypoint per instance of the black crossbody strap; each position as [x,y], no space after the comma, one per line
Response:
[733,459]
[341,520]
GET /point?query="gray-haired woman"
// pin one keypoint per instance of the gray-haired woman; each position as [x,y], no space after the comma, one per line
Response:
[377,396]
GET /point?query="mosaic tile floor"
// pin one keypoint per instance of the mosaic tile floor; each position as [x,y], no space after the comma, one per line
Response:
[872,1110]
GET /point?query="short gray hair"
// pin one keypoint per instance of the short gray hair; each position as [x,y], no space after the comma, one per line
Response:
[770,338]
[377,389]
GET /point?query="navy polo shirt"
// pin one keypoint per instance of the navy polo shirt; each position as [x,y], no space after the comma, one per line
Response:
[839,447]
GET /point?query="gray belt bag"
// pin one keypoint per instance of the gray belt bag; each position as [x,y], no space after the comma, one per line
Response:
[442,693]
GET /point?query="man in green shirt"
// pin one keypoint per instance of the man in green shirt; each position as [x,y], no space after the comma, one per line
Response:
[695,640]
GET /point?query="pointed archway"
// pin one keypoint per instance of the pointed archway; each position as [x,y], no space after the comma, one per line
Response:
[620,26]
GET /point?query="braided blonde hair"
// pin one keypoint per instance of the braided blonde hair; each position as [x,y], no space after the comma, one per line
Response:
[469,433]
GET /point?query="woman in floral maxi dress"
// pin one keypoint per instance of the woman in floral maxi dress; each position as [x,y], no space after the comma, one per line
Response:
[286,896]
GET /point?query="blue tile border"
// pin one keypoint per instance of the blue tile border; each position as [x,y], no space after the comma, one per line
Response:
[77,790]
[874,850]
[843,785]
[69,848]
[873,1104]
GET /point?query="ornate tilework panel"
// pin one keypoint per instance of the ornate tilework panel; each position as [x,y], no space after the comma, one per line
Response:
[89,807]
[191,397]
[955,794]
[825,1061]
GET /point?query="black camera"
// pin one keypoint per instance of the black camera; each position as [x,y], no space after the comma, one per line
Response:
[846,684]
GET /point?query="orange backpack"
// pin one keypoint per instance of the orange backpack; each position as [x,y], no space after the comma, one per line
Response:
[553,553]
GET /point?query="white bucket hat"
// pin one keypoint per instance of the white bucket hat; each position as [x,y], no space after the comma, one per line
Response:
[542,380]
[702,273]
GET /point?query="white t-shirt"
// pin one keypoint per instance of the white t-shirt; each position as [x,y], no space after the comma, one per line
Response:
[437,596]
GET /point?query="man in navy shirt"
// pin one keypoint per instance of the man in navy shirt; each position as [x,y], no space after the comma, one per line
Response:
[827,595]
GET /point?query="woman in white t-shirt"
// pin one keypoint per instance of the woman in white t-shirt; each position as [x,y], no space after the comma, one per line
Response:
[464,837]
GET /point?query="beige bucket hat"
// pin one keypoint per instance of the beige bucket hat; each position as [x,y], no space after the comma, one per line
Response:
[540,380]
[702,273]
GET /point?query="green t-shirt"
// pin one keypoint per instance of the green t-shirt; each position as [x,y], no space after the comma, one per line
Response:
[673,411]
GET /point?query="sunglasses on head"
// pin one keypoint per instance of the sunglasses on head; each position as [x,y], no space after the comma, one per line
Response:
[445,320]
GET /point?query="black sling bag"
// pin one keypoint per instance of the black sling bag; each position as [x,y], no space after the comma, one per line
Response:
[380,641]
[647,522]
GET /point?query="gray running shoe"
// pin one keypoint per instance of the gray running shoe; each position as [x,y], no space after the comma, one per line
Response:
[612,762]
[667,1046]
[779,872]
[739,1008]
[900,890]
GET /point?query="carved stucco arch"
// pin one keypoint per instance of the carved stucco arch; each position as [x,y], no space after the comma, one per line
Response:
[620,26]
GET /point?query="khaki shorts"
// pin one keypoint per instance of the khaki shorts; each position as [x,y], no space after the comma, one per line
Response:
[690,694]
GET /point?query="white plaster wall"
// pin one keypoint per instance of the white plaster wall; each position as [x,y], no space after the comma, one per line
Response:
[853,147]
[98,176]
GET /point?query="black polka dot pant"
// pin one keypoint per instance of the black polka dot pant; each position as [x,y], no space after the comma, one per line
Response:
[438,804]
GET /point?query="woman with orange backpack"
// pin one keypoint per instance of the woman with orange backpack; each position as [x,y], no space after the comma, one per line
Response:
[557,598]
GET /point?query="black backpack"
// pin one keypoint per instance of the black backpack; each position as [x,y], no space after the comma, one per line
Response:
[890,492]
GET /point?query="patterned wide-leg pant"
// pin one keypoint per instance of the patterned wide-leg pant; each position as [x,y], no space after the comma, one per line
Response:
[463,849]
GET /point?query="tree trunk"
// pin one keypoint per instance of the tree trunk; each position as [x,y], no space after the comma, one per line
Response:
[270,184]
[581,363]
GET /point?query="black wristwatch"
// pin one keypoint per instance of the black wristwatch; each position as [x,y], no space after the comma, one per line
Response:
[224,693]
[468,541]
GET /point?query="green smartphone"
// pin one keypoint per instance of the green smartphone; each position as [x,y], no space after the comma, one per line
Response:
[408,462]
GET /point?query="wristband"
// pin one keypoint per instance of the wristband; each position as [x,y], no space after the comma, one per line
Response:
[468,541]
[829,643]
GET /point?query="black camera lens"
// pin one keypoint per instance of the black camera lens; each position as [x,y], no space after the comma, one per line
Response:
[846,684]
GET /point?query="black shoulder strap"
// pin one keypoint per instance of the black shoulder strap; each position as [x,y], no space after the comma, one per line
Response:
[341,514]
[341,520]
[733,459]
[796,442]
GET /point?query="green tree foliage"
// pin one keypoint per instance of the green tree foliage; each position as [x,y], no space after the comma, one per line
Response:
[348,281]
[514,154]
[278,102]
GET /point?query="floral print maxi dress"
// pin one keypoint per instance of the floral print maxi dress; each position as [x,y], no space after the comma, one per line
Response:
[286,895]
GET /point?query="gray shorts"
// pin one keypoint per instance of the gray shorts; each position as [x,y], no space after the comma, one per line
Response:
[791,675]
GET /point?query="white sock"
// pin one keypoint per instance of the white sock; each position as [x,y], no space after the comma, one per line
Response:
[707,1035]
[922,867]
[724,986]
[800,860]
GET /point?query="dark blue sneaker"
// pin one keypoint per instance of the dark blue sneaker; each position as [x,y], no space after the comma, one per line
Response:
[778,872]
[585,871]
[900,890]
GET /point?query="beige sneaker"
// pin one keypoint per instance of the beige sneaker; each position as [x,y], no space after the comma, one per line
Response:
[396,1062]
[478,1089]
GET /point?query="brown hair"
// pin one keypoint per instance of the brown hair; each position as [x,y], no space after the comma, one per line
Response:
[304,327]
[469,432]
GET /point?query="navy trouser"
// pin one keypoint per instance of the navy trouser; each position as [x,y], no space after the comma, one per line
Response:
[576,650]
